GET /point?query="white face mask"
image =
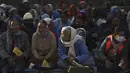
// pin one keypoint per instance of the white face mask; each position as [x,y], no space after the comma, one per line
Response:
[120,38]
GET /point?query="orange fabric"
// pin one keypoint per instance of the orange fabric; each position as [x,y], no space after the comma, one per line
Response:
[70,12]
[121,48]
[109,43]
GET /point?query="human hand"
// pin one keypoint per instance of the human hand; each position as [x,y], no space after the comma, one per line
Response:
[71,59]
[123,64]
[19,57]
[108,64]
[11,61]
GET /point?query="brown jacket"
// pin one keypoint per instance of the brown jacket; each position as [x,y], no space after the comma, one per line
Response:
[44,47]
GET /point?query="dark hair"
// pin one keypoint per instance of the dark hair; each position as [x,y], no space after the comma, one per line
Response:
[65,12]
[42,21]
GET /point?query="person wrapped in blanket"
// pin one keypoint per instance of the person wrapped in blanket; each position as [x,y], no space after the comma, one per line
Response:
[72,48]
[113,51]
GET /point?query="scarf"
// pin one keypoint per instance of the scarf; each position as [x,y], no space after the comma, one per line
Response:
[44,34]
[74,38]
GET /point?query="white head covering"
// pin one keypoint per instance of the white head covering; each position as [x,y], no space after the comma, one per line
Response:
[74,38]
[82,32]
[3,6]
[25,1]
[35,14]
[51,7]
[113,7]
[48,20]
[27,16]
[44,16]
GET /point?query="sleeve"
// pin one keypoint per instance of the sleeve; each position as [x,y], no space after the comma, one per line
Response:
[53,47]
[33,48]
[56,22]
[125,51]
[61,51]
[129,49]
[3,52]
[102,50]
[83,49]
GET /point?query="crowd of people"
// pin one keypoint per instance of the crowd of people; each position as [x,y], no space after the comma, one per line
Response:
[98,38]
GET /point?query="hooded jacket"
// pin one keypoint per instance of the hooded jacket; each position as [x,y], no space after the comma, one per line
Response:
[6,44]
[103,50]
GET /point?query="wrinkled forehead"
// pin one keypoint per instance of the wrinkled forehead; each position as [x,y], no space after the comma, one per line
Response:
[66,31]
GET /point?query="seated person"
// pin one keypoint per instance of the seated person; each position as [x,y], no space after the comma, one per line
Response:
[15,61]
[72,48]
[113,51]
[44,45]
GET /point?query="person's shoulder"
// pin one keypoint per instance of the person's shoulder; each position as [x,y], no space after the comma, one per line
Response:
[34,34]
[51,34]
[3,35]
[23,33]
[80,41]
[109,37]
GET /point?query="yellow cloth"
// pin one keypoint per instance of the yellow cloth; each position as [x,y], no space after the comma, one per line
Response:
[45,64]
[17,51]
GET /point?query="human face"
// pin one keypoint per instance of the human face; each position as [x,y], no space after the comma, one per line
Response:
[41,27]
[48,9]
[14,26]
[64,6]
[65,36]
[83,6]
[73,9]
[64,17]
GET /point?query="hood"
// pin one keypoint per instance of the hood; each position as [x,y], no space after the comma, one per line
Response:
[27,16]
[48,20]
[34,13]
[4,6]
[25,1]
[115,9]
[12,10]
[128,17]
[72,31]
[44,16]
[51,7]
